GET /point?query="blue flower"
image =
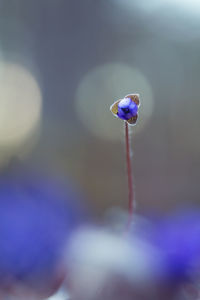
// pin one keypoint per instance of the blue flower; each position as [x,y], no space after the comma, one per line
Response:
[127,108]
[179,239]
[176,238]
[37,217]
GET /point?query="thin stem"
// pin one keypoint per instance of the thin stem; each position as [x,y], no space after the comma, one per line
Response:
[129,173]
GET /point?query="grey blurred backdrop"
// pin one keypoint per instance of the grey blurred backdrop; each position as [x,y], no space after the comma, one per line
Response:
[64,62]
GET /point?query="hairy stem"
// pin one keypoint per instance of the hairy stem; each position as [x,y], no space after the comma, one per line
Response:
[129,173]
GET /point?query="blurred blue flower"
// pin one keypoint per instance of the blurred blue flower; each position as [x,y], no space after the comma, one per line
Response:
[37,216]
[178,238]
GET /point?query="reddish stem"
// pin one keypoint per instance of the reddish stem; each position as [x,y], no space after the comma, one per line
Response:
[129,173]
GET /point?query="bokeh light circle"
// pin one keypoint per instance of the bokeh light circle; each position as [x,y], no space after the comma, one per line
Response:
[102,86]
[175,19]
[187,6]
[20,104]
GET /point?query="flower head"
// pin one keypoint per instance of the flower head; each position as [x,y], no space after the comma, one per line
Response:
[127,108]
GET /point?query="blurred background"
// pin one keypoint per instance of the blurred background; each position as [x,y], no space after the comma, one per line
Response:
[64,62]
